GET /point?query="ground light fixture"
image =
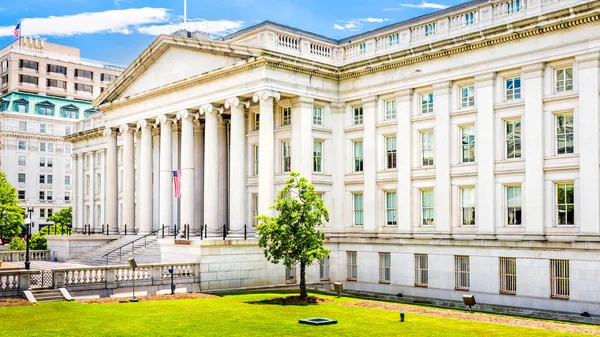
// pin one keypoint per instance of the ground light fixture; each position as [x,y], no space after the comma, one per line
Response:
[469,300]
[338,287]
[401,317]
[133,266]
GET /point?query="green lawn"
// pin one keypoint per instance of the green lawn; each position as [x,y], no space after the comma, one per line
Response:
[234,315]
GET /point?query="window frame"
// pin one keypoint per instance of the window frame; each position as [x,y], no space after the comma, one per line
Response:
[472,198]
[391,154]
[391,208]
[462,277]
[390,110]
[565,134]
[324,265]
[358,212]
[429,208]
[513,93]
[424,150]
[358,162]
[507,275]
[317,115]
[517,209]
[286,156]
[469,145]
[358,115]
[19,180]
[560,271]
[557,186]
[255,152]
[23,193]
[426,102]
[516,139]
[421,272]
[318,156]
[467,101]
[256,121]
[351,265]
[564,82]
[286,115]
[385,268]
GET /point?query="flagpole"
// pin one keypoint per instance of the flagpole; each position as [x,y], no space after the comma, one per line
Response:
[20,32]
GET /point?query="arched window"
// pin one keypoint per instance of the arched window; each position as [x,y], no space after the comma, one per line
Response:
[70,111]
[21,105]
[45,108]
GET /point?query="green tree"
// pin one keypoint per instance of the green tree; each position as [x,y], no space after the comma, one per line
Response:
[38,242]
[63,217]
[11,215]
[292,237]
[16,244]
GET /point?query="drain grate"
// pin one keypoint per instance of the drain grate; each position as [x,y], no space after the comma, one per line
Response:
[317,321]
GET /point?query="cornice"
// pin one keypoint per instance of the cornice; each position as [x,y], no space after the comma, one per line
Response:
[39,136]
[84,135]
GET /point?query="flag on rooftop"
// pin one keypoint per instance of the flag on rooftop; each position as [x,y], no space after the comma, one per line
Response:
[17,31]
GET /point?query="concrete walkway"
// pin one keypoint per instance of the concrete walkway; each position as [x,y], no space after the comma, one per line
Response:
[46,265]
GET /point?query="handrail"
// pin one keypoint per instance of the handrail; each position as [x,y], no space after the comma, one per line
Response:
[133,243]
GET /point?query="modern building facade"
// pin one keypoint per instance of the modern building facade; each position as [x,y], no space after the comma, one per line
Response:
[457,152]
[45,89]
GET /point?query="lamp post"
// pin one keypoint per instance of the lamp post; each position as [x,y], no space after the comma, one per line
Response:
[27,235]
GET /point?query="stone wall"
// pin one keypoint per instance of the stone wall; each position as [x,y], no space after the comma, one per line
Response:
[66,247]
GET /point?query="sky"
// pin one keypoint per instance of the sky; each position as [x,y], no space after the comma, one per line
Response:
[117,31]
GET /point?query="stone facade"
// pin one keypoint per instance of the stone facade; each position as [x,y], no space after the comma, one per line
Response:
[468,137]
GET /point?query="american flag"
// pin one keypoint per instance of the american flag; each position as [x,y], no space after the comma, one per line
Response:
[17,31]
[177,183]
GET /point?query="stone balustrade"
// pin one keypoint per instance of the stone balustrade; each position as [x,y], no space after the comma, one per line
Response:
[12,282]
[19,255]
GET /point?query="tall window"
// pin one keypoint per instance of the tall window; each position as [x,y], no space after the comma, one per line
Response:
[427,103]
[22,145]
[513,88]
[42,213]
[421,270]
[256,122]
[385,267]
[390,208]
[318,115]
[468,144]
[358,115]
[427,148]
[513,205]
[461,273]
[324,269]
[352,270]
[286,116]
[21,177]
[564,133]
[286,159]
[22,160]
[67,180]
[254,201]
[49,197]
[23,126]
[468,206]
[565,203]
[317,156]
[564,79]
[21,195]
[508,275]
[427,207]
[358,156]
[513,139]
[559,279]
[255,152]
[49,179]
[358,209]
[67,196]
[42,128]
[390,110]
[390,149]
[467,96]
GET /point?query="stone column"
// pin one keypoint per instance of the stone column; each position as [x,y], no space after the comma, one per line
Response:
[266,150]
[79,197]
[485,157]
[441,108]
[534,149]
[176,165]
[166,175]
[199,175]
[589,149]
[404,146]
[237,177]
[222,165]
[128,178]
[155,178]
[302,141]
[111,186]
[370,163]
[187,167]
[92,192]
[145,193]
[211,170]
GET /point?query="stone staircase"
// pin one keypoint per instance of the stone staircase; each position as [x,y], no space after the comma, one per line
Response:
[144,253]
[47,295]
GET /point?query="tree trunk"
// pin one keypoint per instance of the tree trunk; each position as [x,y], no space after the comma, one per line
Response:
[303,293]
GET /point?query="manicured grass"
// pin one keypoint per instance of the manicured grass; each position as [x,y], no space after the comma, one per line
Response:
[248,314]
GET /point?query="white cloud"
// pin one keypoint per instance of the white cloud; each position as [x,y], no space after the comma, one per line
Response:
[422,5]
[112,21]
[357,24]
[212,27]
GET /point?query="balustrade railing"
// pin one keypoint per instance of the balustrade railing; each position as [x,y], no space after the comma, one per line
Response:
[287,41]
[321,50]
[19,255]
[9,281]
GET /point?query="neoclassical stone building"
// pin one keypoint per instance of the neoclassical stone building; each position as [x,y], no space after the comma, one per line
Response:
[457,152]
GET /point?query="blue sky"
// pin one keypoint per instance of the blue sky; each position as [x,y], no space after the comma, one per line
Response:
[117,31]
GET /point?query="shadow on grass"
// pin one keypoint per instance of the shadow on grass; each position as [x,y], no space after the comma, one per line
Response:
[271,302]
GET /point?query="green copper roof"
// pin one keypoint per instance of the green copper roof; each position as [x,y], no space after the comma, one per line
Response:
[45,105]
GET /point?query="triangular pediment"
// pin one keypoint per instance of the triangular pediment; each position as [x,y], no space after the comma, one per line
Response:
[169,60]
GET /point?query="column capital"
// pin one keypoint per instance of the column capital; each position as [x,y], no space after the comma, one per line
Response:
[210,109]
[199,126]
[302,102]
[126,128]
[264,95]
[485,80]
[109,132]
[442,88]
[142,124]
[370,100]
[590,60]
[185,114]
[404,95]
[235,102]
[534,70]
[163,120]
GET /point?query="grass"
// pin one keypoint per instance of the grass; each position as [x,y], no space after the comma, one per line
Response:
[242,314]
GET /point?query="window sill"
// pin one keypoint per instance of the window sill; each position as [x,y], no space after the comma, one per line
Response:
[558,297]
[461,289]
[351,279]
[420,285]
[561,95]
[423,117]
[464,111]
[325,279]
[388,122]
[358,127]
[506,292]
[321,128]
[384,282]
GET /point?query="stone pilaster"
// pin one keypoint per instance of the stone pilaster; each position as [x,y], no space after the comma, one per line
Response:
[442,196]
[211,170]
[237,174]
[404,146]
[128,178]
[302,141]
[485,157]
[145,167]
[166,176]
[187,167]
[79,196]
[266,143]
[370,163]
[111,185]
[222,165]
[338,172]
[534,149]
[198,175]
